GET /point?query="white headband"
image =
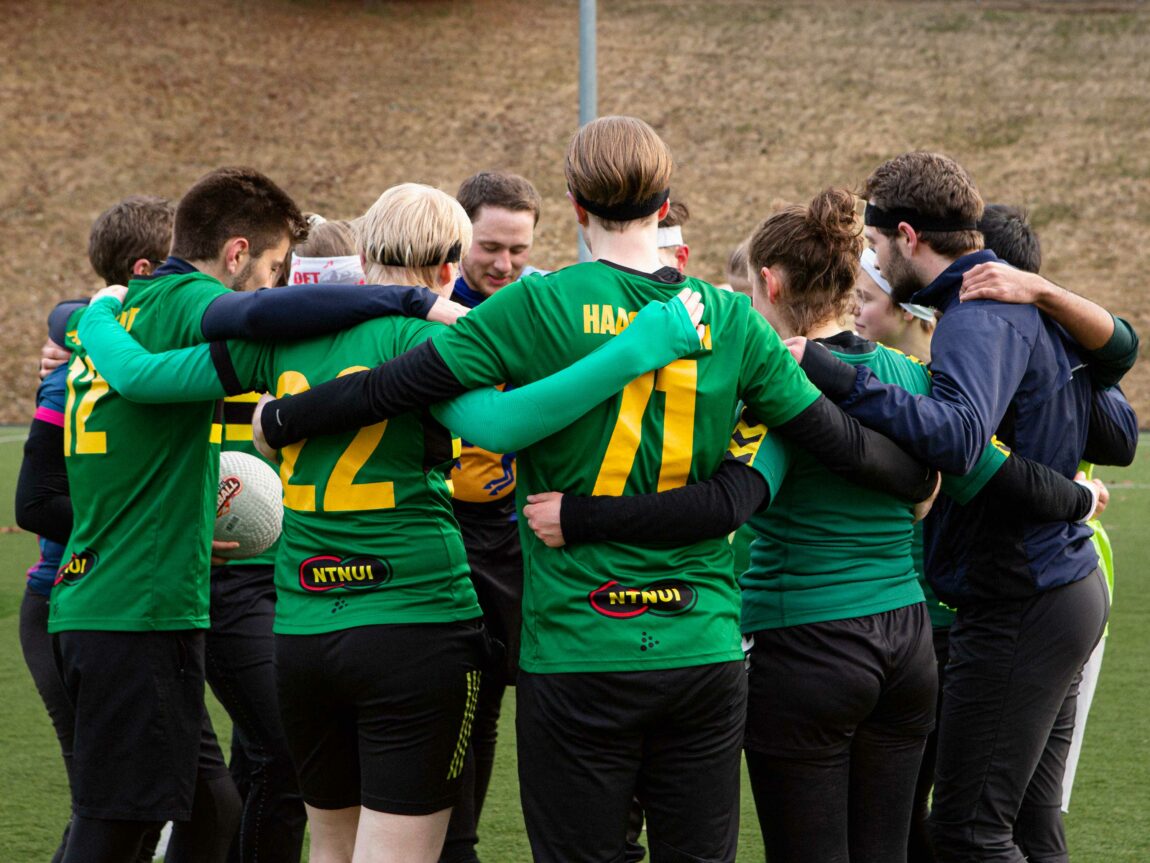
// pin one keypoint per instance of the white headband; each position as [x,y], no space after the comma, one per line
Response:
[869,262]
[342,270]
[669,237]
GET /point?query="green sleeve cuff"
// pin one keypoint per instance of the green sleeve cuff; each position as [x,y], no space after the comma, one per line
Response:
[962,489]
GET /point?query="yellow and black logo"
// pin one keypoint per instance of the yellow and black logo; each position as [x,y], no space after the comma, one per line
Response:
[330,572]
[666,598]
[76,568]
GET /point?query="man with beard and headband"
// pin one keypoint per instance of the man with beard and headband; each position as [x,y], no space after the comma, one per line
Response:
[1031,602]
[130,603]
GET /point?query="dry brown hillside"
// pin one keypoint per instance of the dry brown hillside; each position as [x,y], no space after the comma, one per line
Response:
[1045,103]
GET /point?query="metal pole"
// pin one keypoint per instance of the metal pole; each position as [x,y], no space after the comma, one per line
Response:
[588,83]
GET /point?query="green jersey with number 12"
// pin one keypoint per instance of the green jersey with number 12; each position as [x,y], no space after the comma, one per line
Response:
[143,481]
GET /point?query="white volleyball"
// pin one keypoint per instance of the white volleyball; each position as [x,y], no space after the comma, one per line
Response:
[249,505]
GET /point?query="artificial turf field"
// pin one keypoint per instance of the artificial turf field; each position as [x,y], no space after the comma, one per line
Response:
[1109,821]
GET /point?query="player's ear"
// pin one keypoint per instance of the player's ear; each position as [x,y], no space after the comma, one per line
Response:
[907,234]
[141,267]
[664,210]
[580,213]
[681,254]
[445,274]
[770,284]
[234,250]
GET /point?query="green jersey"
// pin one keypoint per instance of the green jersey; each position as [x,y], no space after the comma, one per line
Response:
[143,481]
[827,549]
[368,533]
[609,606]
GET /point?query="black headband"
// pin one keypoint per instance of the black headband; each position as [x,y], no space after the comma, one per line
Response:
[876,217]
[624,212]
[452,257]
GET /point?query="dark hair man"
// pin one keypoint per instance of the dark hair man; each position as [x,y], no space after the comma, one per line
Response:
[1031,602]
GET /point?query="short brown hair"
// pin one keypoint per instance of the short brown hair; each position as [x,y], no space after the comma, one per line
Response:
[140,226]
[938,188]
[330,239]
[617,161]
[498,189]
[234,202]
[818,247]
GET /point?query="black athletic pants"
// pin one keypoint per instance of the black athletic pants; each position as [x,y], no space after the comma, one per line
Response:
[1007,714]
[919,849]
[240,668]
[837,718]
[590,742]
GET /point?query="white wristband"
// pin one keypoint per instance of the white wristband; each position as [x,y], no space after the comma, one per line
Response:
[1093,489]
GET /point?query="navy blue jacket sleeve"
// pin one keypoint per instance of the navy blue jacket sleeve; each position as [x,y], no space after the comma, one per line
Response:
[299,311]
[978,360]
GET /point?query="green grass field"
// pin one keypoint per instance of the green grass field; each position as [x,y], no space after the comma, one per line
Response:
[1109,820]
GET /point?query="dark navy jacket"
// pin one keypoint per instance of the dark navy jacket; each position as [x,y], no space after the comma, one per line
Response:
[1002,369]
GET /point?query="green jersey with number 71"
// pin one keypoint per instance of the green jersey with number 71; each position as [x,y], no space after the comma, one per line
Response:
[612,606]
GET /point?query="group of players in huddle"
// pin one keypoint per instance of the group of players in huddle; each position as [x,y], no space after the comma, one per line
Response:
[619,421]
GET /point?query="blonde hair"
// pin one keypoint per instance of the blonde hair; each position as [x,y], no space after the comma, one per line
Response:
[617,162]
[412,228]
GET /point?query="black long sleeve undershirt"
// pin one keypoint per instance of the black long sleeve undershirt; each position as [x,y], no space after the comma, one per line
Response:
[412,380]
[858,454]
[717,506]
[702,510]
[1032,492]
[299,311]
[43,504]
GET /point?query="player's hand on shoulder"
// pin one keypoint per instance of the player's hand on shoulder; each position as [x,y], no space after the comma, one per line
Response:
[693,301]
[995,280]
[542,514]
[445,311]
[116,292]
[257,427]
[797,345]
[52,356]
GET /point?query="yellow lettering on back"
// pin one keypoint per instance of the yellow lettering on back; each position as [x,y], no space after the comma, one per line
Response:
[590,319]
[607,322]
[317,575]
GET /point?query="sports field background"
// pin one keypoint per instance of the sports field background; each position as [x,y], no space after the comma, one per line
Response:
[1045,101]
[1109,821]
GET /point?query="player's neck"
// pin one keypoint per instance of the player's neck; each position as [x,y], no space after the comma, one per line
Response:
[635,248]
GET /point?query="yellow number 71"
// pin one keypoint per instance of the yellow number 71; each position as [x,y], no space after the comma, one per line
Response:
[678,382]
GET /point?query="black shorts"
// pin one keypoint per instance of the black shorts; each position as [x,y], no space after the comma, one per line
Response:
[380,716]
[812,685]
[589,743]
[139,706]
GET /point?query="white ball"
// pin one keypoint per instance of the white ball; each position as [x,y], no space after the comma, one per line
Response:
[249,505]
